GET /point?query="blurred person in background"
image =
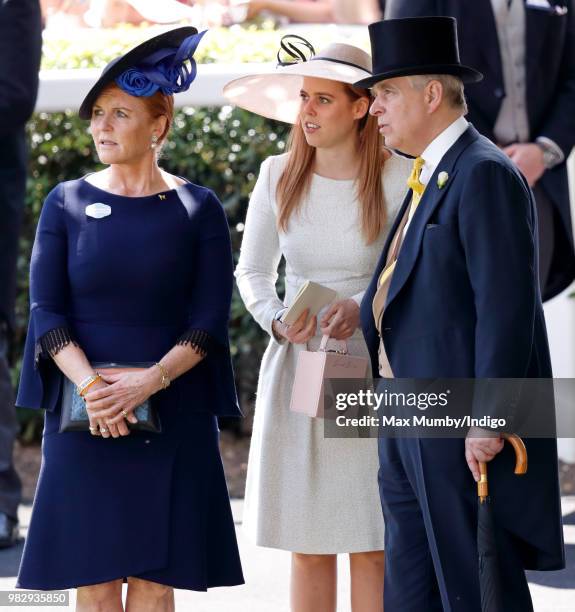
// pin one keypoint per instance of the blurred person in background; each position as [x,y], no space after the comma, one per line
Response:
[214,12]
[316,11]
[20,50]
[68,13]
[358,11]
[109,13]
[303,11]
[526,51]
[298,11]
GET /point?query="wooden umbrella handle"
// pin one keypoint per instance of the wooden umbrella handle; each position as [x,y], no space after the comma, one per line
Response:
[520,464]
[520,452]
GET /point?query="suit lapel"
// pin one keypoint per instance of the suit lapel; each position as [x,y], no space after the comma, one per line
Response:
[388,241]
[536,24]
[366,311]
[431,199]
[394,227]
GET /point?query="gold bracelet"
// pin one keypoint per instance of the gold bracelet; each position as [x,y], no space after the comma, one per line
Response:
[87,383]
[165,378]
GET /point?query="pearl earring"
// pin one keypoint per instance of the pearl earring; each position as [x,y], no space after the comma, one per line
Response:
[154,142]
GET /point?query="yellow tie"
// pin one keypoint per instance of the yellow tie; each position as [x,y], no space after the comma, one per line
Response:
[417,189]
[413,181]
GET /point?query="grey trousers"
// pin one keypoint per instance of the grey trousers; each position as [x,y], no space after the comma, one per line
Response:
[10,486]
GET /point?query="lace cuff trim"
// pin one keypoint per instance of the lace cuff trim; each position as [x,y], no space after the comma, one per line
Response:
[200,341]
[52,342]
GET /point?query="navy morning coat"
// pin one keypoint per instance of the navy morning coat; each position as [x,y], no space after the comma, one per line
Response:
[464,302]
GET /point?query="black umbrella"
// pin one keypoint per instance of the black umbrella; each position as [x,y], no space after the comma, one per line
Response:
[489,576]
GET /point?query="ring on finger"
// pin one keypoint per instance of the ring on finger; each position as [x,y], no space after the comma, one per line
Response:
[103,429]
[124,413]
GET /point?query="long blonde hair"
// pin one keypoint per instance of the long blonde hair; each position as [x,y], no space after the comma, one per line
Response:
[295,181]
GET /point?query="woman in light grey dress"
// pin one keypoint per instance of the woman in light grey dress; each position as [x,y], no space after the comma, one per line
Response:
[326,206]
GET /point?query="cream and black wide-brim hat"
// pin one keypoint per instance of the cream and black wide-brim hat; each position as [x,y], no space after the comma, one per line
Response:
[275,91]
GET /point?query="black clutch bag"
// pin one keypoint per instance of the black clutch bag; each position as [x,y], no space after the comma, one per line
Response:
[74,416]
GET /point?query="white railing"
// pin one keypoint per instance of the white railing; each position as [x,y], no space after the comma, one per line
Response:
[63,89]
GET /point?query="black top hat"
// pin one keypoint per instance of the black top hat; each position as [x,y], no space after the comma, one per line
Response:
[418,45]
[171,49]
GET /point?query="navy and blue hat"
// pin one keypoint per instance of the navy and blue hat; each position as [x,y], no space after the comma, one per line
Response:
[164,63]
[416,45]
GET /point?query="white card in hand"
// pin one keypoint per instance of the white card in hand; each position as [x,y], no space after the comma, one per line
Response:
[312,296]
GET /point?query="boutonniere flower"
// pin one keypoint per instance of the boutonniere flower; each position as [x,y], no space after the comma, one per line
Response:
[442,179]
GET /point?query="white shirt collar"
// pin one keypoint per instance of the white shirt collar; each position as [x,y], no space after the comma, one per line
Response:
[439,146]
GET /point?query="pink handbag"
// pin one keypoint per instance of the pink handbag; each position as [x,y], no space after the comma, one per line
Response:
[315,366]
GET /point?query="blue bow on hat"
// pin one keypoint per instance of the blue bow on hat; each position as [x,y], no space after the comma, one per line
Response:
[165,70]
[162,63]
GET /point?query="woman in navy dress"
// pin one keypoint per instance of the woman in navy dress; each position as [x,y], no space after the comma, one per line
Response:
[132,264]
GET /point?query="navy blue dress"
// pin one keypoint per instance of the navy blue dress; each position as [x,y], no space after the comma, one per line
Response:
[127,287]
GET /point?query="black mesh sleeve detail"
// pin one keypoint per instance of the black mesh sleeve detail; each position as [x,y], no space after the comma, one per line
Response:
[52,342]
[200,340]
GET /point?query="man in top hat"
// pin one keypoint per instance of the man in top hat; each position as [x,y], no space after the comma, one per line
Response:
[525,49]
[455,295]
